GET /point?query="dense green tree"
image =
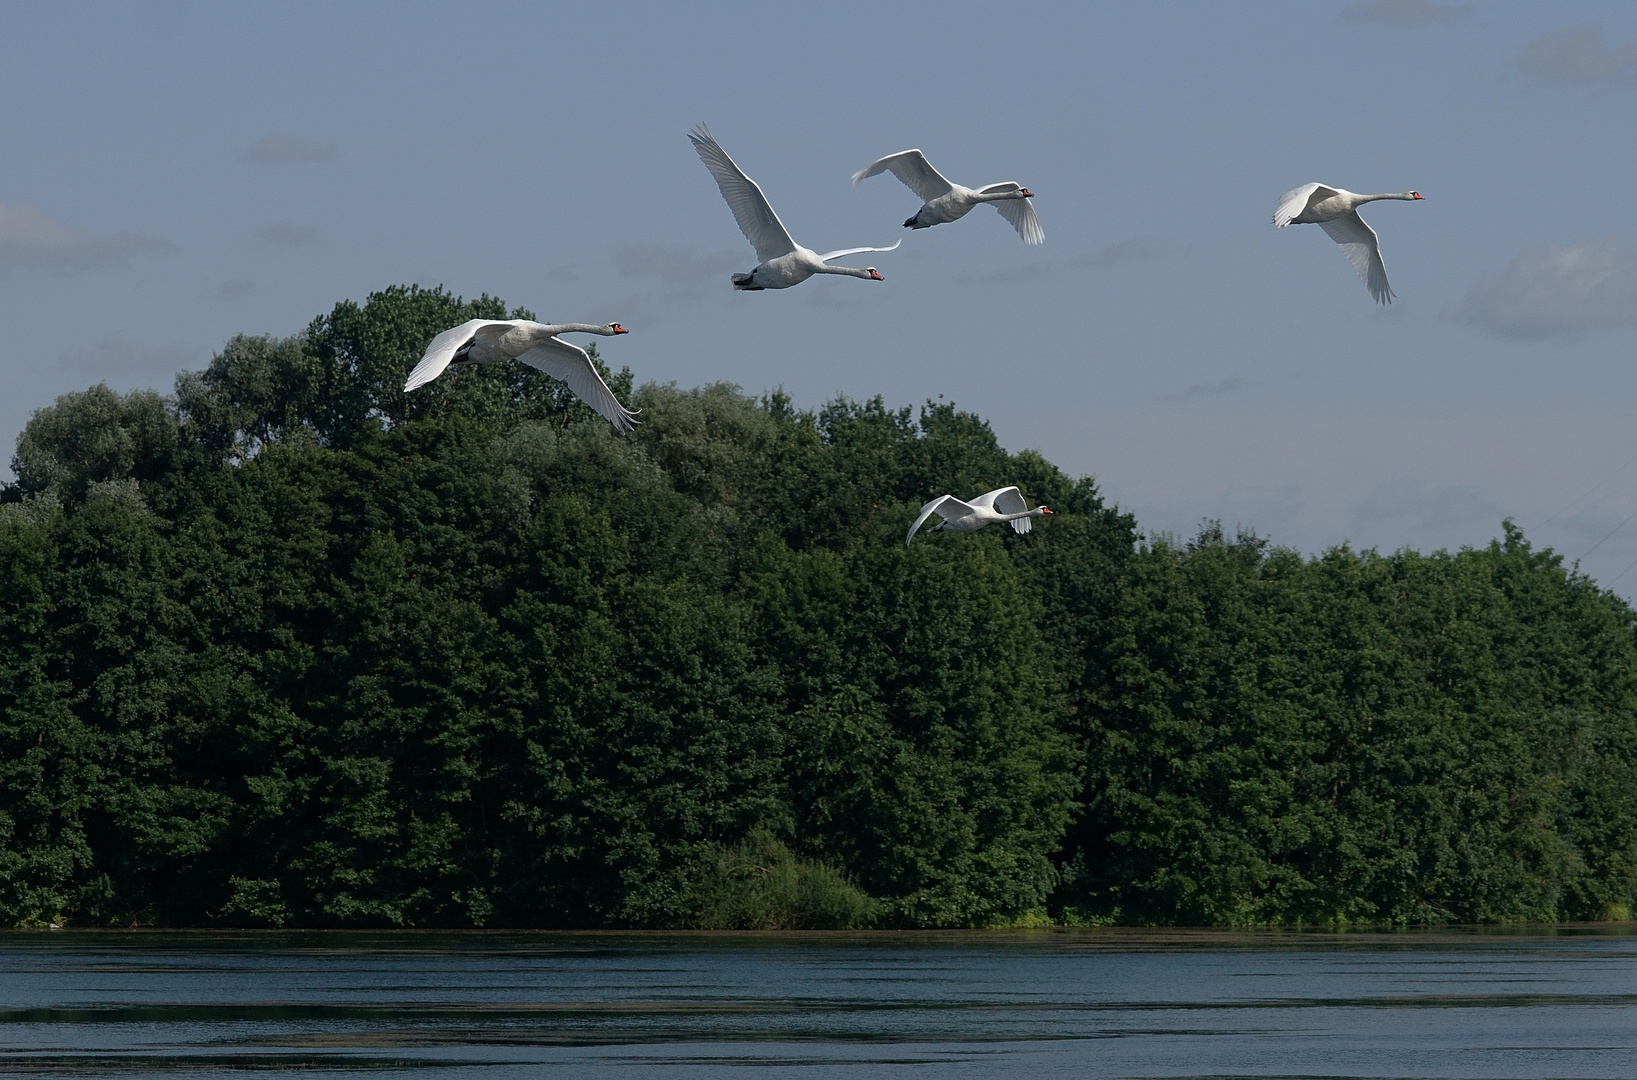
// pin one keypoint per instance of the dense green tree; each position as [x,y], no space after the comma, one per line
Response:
[1359,737]
[293,648]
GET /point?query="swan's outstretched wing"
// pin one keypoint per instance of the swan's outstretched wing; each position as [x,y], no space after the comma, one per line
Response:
[750,207]
[945,506]
[828,255]
[1007,500]
[912,167]
[1020,212]
[571,364]
[443,349]
[1294,201]
[1358,242]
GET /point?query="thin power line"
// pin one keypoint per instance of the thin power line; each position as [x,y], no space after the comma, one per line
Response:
[1588,491]
[1612,531]
[1622,573]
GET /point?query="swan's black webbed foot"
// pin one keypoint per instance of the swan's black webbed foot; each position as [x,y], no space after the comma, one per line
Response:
[910,224]
[745,283]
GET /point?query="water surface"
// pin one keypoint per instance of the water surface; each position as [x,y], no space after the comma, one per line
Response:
[1097,1003]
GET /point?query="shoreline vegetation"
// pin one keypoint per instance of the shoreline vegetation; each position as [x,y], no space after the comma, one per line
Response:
[290,649]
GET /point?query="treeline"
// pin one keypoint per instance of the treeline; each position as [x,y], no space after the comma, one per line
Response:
[291,648]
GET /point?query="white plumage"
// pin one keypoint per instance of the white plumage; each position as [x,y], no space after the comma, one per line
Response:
[783,261]
[1335,210]
[1001,504]
[944,201]
[491,341]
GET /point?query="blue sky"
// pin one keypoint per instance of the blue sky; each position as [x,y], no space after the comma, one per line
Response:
[173,174]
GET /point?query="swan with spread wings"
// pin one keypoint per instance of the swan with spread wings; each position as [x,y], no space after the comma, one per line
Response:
[783,261]
[492,341]
[1335,210]
[1001,504]
[943,201]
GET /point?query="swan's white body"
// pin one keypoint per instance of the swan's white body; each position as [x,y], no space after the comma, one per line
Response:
[944,201]
[1336,212]
[491,341]
[1001,504]
[784,262]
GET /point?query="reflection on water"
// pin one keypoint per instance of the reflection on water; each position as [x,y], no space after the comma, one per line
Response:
[1082,1004]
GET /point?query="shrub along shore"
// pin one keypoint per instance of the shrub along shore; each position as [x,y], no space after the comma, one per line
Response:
[291,648]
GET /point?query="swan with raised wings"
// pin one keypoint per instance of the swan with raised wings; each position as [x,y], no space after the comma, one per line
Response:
[783,261]
[1335,210]
[1001,504]
[944,201]
[491,341]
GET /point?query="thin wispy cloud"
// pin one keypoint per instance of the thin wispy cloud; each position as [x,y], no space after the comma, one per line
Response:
[1403,12]
[233,289]
[1006,275]
[1579,57]
[31,238]
[679,269]
[290,149]
[115,355]
[1201,391]
[1140,249]
[1555,291]
[1406,506]
[287,233]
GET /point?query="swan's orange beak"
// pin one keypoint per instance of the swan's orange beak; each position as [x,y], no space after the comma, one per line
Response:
[1047,510]
[618,329]
[1417,195]
[876,274]
[1027,194]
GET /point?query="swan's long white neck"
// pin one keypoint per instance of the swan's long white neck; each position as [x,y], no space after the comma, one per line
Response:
[1000,196]
[1407,196]
[576,328]
[1036,512]
[845,271]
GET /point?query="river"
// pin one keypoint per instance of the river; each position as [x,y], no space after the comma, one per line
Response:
[1090,1003]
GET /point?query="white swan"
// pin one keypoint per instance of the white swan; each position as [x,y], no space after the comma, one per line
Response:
[1336,212]
[1001,504]
[490,341]
[784,262]
[951,202]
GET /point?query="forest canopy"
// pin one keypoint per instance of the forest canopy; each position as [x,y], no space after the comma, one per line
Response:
[289,647]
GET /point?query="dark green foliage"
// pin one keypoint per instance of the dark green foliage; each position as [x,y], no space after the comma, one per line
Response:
[760,885]
[293,648]
[1360,738]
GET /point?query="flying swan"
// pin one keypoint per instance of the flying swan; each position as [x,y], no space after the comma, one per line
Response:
[490,341]
[951,202]
[1001,504]
[784,262]
[1336,212]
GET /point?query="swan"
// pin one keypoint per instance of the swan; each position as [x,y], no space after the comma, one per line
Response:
[489,341]
[951,202]
[784,262]
[1336,212]
[1001,504]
